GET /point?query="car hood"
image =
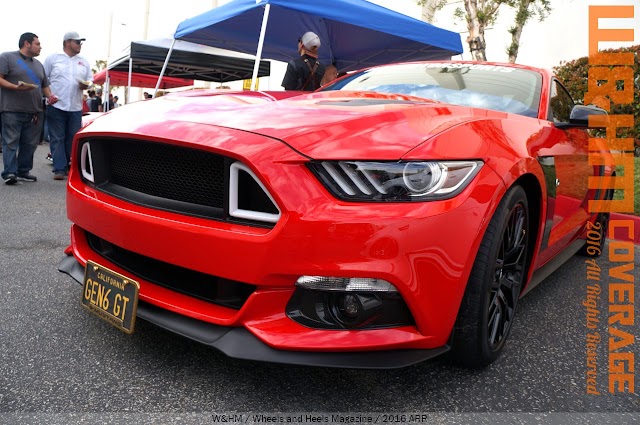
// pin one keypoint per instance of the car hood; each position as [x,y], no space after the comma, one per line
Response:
[323,125]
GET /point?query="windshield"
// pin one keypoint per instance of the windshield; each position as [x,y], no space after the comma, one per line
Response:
[500,88]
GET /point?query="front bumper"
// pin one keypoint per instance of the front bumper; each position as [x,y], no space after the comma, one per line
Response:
[239,343]
[424,249]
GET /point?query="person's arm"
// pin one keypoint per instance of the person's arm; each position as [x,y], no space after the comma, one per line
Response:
[48,65]
[51,98]
[89,74]
[46,88]
[5,84]
[87,79]
[290,80]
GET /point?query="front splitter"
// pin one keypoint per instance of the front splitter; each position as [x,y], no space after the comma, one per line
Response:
[239,343]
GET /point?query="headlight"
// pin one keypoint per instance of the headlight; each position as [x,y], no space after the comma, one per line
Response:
[395,181]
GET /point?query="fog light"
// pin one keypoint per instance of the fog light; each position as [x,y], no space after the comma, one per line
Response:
[355,310]
[325,302]
[349,306]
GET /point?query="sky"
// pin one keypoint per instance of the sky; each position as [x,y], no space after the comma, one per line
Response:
[110,26]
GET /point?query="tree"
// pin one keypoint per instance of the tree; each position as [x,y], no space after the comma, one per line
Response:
[99,66]
[526,9]
[430,7]
[575,75]
[478,17]
[479,14]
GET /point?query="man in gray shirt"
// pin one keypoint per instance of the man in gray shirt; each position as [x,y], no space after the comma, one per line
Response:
[23,83]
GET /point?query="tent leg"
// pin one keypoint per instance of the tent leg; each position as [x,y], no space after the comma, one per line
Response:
[105,93]
[263,30]
[164,67]
[128,95]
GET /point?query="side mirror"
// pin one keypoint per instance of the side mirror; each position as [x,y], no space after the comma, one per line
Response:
[580,117]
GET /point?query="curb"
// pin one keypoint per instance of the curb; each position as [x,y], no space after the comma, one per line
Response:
[622,232]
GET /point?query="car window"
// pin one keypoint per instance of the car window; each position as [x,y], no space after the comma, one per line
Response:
[500,88]
[560,103]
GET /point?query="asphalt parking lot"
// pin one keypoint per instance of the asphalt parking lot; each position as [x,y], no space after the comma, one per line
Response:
[61,364]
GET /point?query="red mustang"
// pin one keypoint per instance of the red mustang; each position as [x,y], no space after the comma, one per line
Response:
[395,214]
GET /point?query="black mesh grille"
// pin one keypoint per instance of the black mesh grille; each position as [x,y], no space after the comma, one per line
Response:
[206,287]
[172,178]
[170,172]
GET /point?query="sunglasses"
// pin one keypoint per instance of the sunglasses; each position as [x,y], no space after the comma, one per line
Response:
[78,42]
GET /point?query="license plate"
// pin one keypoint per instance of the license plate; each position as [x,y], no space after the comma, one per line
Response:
[111,296]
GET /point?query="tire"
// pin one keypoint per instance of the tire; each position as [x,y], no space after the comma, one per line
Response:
[489,303]
[636,151]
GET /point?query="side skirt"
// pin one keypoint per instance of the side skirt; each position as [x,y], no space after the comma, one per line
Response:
[552,265]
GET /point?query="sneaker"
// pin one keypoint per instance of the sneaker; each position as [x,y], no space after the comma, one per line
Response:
[49,157]
[59,175]
[27,177]
[10,179]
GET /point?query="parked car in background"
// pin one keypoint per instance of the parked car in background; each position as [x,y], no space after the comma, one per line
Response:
[395,214]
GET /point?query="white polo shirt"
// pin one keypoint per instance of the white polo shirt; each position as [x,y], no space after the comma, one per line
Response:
[64,75]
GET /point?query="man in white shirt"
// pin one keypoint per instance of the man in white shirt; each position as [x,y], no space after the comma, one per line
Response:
[69,74]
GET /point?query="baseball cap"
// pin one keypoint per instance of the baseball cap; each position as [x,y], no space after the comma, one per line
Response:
[72,35]
[310,40]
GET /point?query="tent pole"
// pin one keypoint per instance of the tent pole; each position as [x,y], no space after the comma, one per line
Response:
[128,97]
[263,31]
[164,67]
[105,93]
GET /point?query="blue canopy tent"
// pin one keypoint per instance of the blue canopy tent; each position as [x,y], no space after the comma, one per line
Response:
[354,33]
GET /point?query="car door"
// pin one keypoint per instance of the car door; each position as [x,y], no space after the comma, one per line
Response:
[564,159]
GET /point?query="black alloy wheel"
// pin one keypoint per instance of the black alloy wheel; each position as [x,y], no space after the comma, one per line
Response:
[489,304]
[509,274]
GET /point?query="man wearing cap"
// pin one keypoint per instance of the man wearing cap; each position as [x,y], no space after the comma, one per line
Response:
[305,73]
[69,74]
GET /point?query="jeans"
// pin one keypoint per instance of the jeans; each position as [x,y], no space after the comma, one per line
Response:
[62,126]
[20,138]
[45,130]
